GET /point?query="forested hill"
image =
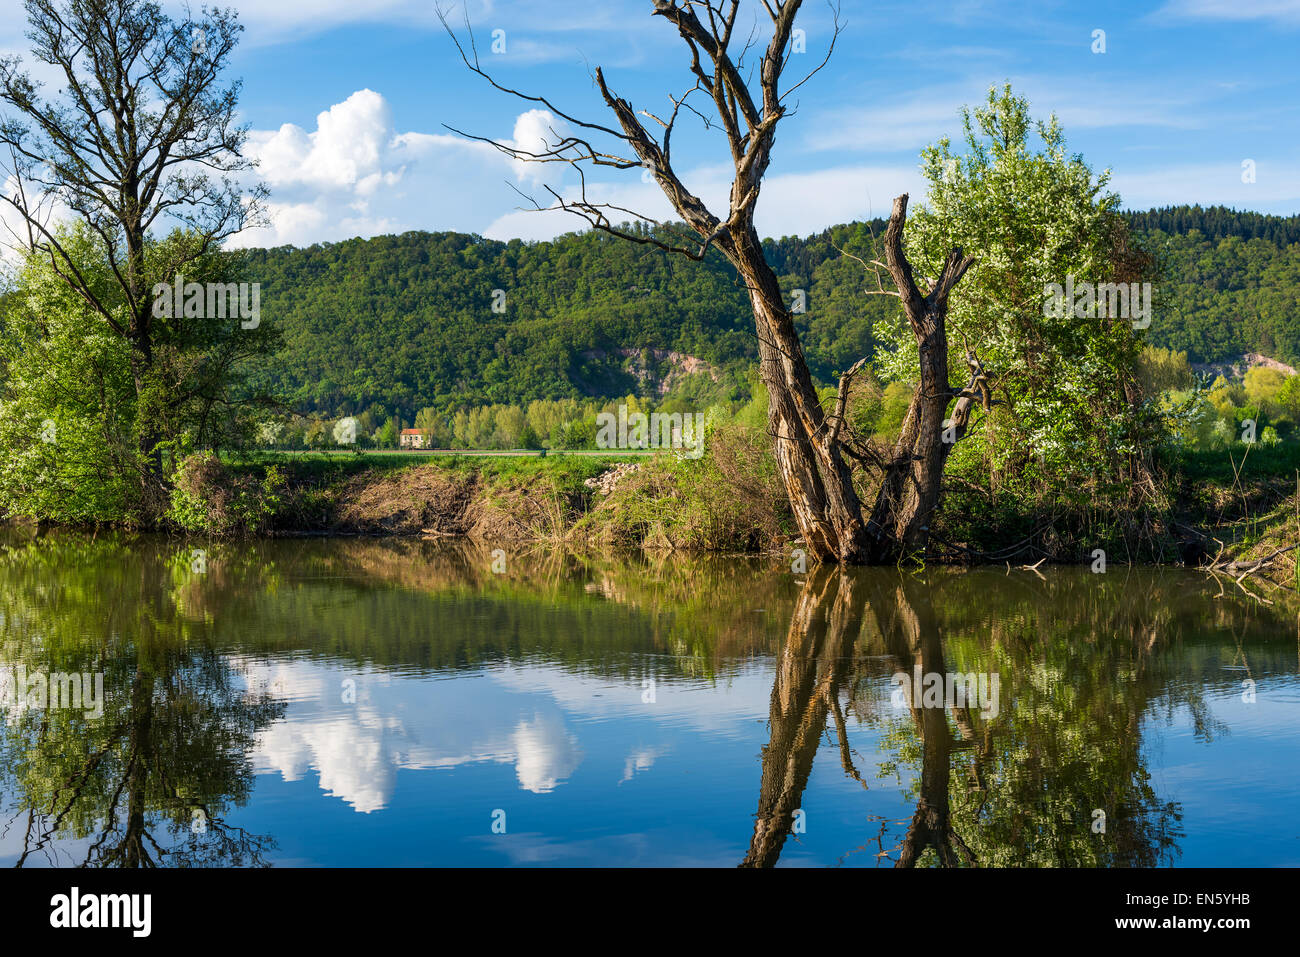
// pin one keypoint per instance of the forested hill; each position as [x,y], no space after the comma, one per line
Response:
[1231,282]
[404,322]
[408,321]
[1219,222]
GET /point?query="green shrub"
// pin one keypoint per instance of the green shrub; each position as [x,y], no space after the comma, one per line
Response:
[208,498]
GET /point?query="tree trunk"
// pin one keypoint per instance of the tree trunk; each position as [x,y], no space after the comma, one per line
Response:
[809,457]
[809,454]
[909,490]
[140,335]
[817,480]
[913,474]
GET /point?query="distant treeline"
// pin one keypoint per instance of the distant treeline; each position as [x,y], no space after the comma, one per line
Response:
[540,424]
[398,324]
[1219,222]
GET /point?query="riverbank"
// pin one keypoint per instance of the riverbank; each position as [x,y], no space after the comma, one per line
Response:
[1239,507]
[729,500]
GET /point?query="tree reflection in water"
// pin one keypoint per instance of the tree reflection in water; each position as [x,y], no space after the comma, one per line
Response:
[1031,773]
[150,782]
[1082,660]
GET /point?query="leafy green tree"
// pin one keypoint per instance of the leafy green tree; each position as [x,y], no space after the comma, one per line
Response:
[578,434]
[67,401]
[1036,215]
[434,427]
[529,439]
[316,434]
[1161,370]
[143,137]
[74,379]
[1288,401]
[1263,387]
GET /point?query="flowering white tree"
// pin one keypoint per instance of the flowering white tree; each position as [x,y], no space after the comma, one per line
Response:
[1064,383]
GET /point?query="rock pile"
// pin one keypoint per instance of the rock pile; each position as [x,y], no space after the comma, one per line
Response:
[606,482]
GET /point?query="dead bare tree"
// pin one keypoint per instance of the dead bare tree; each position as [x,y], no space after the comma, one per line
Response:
[810,444]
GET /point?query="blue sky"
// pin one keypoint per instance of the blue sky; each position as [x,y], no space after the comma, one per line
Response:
[349,102]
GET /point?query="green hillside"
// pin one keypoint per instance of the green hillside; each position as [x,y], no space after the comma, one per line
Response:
[399,323]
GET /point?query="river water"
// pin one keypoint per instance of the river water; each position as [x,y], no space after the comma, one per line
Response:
[404,703]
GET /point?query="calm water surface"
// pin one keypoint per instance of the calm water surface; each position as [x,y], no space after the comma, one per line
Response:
[357,702]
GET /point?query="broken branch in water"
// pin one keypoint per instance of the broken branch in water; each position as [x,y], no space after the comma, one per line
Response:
[1249,568]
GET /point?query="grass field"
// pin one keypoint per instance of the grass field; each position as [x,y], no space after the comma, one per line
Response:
[567,468]
[1222,467]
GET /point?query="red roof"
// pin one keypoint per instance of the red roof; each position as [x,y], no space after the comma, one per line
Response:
[412,431]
